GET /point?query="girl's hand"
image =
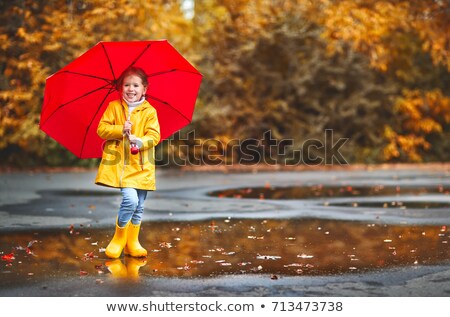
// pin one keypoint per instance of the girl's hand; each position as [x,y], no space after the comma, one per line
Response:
[127,127]
[135,140]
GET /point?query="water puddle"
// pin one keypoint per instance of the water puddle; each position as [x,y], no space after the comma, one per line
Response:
[198,249]
[81,193]
[321,191]
[397,204]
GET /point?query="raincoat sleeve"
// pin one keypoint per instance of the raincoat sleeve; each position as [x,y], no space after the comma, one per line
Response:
[108,128]
[152,135]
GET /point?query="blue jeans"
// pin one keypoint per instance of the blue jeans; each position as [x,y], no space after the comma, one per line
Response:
[132,206]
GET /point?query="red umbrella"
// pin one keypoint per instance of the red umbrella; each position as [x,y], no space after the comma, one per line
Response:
[77,95]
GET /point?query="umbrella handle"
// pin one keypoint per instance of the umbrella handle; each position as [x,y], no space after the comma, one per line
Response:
[128,132]
[134,149]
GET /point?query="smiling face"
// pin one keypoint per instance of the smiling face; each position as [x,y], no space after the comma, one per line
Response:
[132,88]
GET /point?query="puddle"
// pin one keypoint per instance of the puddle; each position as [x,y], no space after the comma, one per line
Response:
[82,193]
[397,204]
[199,249]
[318,191]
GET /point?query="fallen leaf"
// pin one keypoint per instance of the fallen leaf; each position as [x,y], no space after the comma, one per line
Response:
[268,257]
[293,265]
[31,243]
[167,245]
[29,252]
[244,263]
[305,256]
[8,257]
[185,267]
[88,256]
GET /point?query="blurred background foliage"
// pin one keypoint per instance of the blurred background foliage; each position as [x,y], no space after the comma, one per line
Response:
[375,72]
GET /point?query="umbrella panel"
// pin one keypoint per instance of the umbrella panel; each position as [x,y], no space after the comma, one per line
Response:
[76,127]
[174,88]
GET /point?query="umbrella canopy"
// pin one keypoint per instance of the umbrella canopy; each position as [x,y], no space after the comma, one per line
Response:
[77,95]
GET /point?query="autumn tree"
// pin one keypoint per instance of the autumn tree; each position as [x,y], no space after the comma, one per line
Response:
[410,42]
[40,37]
[369,70]
[267,68]
[374,71]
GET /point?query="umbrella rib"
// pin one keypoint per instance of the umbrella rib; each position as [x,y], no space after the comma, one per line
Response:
[73,100]
[92,120]
[109,62]
[168,104]
[85,75]
[173,70]
[140,55]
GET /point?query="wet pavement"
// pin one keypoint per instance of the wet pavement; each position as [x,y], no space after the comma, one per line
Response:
[311,233]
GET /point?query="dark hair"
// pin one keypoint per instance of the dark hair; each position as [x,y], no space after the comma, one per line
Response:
[132,71]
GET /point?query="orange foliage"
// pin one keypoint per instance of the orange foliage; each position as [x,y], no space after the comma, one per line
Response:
[378,28]
[253,55]
[422,113]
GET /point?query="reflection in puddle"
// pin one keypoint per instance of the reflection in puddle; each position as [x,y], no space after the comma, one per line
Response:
[293,247]
[305,192]
[127,267]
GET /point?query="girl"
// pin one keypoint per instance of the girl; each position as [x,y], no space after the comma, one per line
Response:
[130,121]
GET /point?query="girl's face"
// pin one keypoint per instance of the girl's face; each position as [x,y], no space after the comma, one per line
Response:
[132,88]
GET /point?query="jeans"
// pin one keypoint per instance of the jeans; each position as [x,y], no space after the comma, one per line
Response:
[132,206]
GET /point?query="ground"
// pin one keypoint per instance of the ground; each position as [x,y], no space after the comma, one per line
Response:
[40,201]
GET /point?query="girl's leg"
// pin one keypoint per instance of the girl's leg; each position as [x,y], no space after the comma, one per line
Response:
[137,215]
[133,246]
[126,235]
[120,238]
[130,202]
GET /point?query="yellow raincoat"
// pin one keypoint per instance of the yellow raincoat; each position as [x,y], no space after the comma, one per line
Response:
[119,168]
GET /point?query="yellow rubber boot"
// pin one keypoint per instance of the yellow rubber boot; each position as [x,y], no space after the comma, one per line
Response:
[117,268]
[118,242]
[133,265]
[133,247]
